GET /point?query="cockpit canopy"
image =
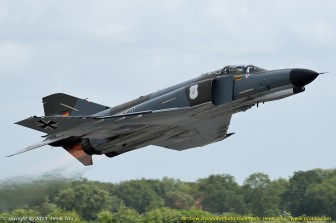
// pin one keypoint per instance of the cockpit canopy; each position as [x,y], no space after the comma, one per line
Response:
[236,69]
[241,69]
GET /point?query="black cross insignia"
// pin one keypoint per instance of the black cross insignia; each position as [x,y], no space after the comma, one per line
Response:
[50,124]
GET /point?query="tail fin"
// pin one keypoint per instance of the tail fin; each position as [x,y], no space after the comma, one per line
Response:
[67,105]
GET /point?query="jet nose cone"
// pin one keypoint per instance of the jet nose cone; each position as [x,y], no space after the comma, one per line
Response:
[301,77]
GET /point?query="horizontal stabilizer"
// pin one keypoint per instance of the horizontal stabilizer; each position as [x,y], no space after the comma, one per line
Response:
[78,152]
[37,145]
[52,124]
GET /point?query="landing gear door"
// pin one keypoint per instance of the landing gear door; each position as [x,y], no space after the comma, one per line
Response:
[222,90]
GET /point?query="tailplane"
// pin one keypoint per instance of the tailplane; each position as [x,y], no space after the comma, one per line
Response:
[78,152]
[75,150]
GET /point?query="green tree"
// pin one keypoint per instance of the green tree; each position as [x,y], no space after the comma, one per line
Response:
[19,215]
[63,216]
[262,196]
[86,199]
[295,195]
[125,214]
[276,190]
[47,208]
[105,217]
[177,194]
[139,195]
[171,184]
[162,215]
[221,193]
[24,212]
[194,213]
[23,192]
[321,198]
[179,200]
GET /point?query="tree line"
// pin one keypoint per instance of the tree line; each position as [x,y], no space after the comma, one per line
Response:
[306,193]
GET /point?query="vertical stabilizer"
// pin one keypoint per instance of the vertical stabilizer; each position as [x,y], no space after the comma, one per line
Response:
[67,105]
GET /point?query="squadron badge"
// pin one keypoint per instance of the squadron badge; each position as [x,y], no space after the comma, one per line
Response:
[193,92]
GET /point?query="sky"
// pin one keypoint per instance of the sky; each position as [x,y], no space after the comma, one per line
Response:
[115,51]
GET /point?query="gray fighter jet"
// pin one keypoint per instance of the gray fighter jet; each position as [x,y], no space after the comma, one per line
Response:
[190,114]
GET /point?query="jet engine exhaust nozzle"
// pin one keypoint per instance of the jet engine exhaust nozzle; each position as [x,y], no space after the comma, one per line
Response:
[301,77]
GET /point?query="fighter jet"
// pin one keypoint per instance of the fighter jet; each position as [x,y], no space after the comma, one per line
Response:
[191,114]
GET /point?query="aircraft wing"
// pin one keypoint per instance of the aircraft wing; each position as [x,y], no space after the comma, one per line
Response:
[197,134]
[176,129]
